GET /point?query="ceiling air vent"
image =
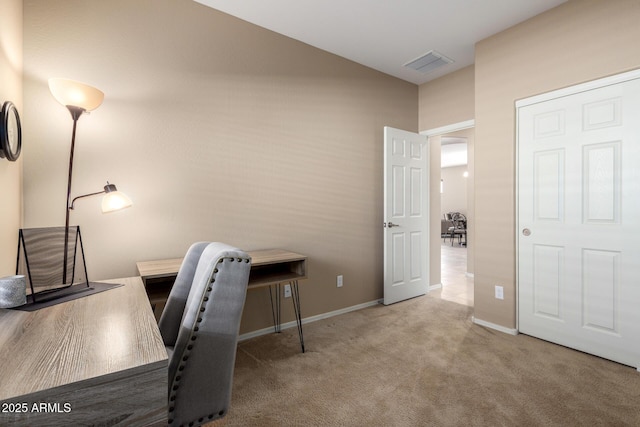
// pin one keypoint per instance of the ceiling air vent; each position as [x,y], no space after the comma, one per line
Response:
[429,62]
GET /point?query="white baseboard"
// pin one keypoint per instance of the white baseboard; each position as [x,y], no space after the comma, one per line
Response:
[469,274]
[306,320]
[291,324]
[435,287]
[494,326]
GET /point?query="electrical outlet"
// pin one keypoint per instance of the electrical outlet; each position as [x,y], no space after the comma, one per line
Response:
[339,281]
[499,292]
[287,291]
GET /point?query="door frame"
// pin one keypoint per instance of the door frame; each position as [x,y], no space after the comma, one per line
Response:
[547,96]
[454,127]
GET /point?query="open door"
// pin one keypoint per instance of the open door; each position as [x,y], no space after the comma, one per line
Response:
[406,215]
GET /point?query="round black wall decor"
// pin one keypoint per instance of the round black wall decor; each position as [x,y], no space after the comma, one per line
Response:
[10,132]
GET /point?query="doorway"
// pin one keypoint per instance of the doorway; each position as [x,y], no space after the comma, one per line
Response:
[456,262]
[456,279]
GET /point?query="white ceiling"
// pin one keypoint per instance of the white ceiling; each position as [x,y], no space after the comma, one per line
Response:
[386,34]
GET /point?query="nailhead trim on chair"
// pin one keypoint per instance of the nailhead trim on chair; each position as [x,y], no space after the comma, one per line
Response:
[193,336]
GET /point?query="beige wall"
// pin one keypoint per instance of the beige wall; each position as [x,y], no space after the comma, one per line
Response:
[10,172]
[218,130]
[447,100]
[575,42]
[454,197]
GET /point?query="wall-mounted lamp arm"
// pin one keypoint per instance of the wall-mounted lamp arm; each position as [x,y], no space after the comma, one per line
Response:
[114,200]
[84,195]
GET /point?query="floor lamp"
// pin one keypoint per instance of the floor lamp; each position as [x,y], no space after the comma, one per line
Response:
[80,98]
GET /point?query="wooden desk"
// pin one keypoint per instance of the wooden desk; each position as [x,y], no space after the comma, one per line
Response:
[96,360]
[269,268]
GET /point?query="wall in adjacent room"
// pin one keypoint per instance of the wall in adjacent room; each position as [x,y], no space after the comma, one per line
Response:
[218,130]
[10,172]
[573,43]
[454,196]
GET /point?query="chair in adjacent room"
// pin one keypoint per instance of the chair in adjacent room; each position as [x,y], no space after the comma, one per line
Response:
[449,216]
[199,326]
[460,229]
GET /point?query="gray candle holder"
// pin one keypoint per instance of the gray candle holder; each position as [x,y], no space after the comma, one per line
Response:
[13,291]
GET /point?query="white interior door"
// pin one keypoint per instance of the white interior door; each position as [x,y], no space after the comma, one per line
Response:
[406,215]
[579,220]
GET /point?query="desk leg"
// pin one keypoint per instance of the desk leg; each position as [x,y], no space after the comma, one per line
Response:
[276,308]
[296,309]
[275,311]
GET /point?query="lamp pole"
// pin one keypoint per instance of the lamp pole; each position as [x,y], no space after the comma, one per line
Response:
[76,112]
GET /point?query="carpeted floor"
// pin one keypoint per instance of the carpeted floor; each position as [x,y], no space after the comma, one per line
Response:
[423,362]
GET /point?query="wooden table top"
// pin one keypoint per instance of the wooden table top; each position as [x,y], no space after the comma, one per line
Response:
[159,268]
[84,339]
[168,267]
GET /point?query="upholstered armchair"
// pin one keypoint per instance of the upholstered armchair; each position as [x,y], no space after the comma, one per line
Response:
[199,326]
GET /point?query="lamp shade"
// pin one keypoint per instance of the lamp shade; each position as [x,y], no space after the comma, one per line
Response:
[114,200]
[72,93]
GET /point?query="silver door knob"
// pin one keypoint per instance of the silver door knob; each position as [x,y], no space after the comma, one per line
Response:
[391,225]
[526,232]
